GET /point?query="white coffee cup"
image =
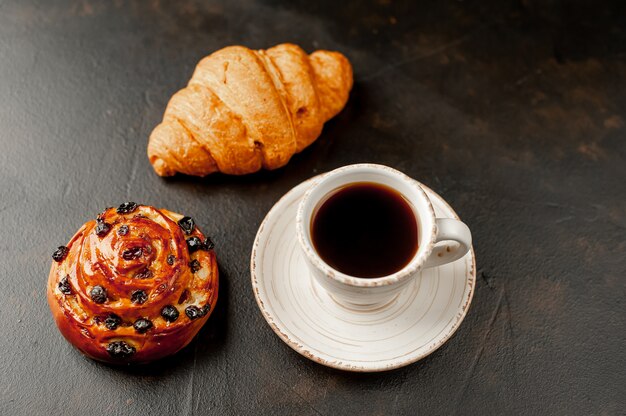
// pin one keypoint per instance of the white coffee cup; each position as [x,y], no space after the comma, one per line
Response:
[368,292]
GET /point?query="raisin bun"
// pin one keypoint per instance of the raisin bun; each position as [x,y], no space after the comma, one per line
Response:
[134,285]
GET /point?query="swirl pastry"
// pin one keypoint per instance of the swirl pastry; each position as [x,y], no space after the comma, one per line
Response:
[244,110]
[133,286]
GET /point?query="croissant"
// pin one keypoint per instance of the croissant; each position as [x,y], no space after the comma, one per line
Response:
[244,110]
[133,286]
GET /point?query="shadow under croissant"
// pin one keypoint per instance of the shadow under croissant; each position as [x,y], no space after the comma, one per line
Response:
[263,176]
[205,344]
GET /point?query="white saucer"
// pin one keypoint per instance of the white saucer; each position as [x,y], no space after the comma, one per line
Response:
[408,328]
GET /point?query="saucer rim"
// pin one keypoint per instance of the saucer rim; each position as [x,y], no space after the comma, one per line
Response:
[300,349]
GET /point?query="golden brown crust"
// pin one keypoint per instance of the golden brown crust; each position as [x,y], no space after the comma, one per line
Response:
[124,265]
[245,109]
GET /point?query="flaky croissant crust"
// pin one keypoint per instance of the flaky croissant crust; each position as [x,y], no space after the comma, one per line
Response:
[244,110]
[108,288]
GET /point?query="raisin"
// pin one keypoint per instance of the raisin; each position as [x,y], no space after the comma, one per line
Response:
[186,224]
[193,312]
[170,259]
[112,321]
[194,244]
[64,286]
[206,309]
[98,294]
[195,266]
[138,297]
[120,349]
[169,313]
[144,274]
[60,253]
[208,243]
[142,325]
[126,207]
[123,230]
[132,253]
[102,228]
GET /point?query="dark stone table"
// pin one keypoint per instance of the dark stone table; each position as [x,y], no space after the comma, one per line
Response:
[514,111]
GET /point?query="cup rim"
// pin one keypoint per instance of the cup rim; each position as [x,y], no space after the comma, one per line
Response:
[414,265]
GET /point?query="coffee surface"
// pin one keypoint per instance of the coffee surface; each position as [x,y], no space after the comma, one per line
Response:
[365,230]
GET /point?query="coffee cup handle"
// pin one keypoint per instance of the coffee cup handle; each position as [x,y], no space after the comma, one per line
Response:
[449,229]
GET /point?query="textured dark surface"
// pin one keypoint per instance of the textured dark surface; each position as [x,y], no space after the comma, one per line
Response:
[513,111]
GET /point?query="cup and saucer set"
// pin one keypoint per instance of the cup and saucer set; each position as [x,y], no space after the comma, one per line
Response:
[354,323]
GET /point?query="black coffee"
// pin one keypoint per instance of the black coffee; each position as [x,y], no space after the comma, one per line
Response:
[365,230]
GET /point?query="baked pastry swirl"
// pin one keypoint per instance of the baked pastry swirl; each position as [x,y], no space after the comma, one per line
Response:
[244,110]
[134,285]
